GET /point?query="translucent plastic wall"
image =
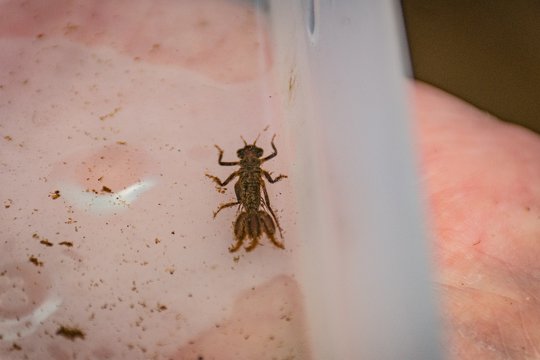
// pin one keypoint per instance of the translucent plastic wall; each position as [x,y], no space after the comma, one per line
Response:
[109,117]
[364,267]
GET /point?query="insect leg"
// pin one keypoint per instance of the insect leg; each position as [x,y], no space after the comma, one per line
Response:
[269,177]
[272,154]
[267,202]
[224,183]
[224,206]
[225,163]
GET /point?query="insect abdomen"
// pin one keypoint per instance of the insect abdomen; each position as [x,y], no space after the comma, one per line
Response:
[250,191]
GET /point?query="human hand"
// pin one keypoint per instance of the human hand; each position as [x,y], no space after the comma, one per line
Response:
[481,176]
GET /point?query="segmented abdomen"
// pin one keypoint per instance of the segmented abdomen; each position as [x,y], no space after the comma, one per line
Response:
[249,191]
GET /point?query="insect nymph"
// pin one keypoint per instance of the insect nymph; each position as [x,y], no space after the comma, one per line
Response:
[255,215]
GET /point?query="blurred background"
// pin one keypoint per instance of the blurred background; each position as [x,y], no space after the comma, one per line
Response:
[486,52]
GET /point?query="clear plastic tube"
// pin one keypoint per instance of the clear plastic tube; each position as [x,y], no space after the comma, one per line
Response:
[364,259]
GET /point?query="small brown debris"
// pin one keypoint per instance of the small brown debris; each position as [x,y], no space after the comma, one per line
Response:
[157,241]
[106,189]
[46,242]
[286,317]
[40,36]
[55,194]
[161,307]
[100,178]
[70,28]
[8,203]
[70,333]
[109,115]
[121,142]
[292,84]
[221,190]
[16,347]
[8,138]
[34,260]
[66,243]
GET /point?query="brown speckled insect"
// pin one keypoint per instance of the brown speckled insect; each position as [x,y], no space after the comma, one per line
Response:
[255,213]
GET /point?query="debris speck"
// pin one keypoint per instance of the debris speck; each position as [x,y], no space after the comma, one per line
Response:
[70,333]
[55,194]
[46,242]
[66,243]
[70,28]
[34,260]
[109,115]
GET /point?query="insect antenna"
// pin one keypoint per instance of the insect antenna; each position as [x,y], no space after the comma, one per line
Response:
[255,142]
[244,140]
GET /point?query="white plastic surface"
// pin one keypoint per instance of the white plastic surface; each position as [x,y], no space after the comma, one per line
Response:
[108,118]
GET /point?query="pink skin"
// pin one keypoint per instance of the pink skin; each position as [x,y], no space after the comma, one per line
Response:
[154,279]
[481,177]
